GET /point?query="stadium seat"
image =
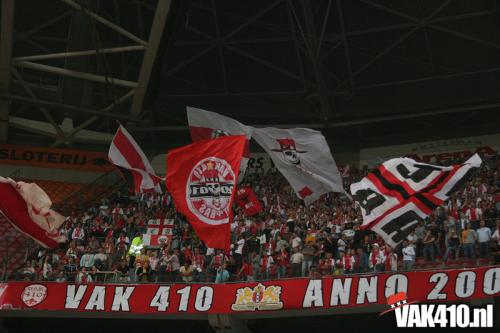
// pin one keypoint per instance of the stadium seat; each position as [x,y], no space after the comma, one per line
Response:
[15,243]
[14,249]
[58,191]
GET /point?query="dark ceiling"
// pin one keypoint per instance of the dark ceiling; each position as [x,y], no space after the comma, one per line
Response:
[364,72]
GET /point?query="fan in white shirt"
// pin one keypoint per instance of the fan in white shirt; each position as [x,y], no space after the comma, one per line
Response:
[296,241]
[239,246]
[496,234]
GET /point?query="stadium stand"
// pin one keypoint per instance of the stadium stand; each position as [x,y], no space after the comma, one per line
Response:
[57,191]
[15,245]
[285,240]
[13,250]
[377,79]
[67,197]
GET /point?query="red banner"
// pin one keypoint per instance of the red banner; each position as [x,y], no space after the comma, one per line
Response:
[325,293]
[201,177]
[246,199]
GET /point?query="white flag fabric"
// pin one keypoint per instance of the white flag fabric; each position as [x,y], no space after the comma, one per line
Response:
[209,125]
[401,192]
[304,158]
[126,154]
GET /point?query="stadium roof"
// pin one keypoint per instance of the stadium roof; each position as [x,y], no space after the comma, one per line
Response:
[365,72]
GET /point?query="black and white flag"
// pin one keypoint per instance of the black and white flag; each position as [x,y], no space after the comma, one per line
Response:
[401,192]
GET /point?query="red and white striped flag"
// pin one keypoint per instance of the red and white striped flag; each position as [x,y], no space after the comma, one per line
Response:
[126,154]
[28,208]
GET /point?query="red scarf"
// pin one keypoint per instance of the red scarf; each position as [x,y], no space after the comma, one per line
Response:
[374,257]
[388,261]
[121,243]
[199,260]
[283,259]
[357,260]
[247,269]
[473,214]
[264,264]
[347,262]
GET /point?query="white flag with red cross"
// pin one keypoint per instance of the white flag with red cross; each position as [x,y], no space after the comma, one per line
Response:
[158,232]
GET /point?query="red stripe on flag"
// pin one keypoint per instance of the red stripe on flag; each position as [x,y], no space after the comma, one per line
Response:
[128,151]
[382,189]
[15,209]
[393,179]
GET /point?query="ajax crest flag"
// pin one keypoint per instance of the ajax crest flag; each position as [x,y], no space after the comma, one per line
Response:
[201,178]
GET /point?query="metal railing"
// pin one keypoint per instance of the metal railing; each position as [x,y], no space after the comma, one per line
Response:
[112,277]
[16,174]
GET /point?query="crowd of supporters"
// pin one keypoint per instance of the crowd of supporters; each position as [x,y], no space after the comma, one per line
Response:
[287,239]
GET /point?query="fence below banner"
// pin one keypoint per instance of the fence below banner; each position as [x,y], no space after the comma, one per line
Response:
[293,294]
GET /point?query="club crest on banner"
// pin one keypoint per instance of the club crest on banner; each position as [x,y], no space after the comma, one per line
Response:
[34,294]
[162,239]
[289,150]
[209,190]
[258,298]
[217,133]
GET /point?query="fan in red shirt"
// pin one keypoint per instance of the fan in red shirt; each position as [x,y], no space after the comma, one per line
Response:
[187,253]
[391,259]
[246,272]
[142,222]
[119,223]
[253,228]
[358,253]
[348,262]
[266,262]
[283,261]
[217,260]
[122,242]
[283,229]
